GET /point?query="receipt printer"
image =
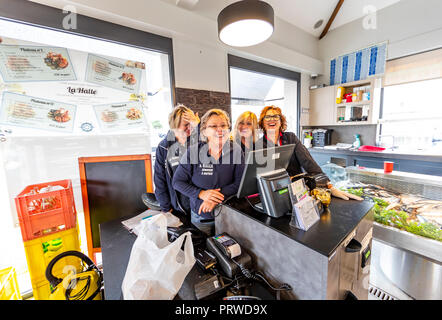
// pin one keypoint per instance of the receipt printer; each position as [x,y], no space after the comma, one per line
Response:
[274,193]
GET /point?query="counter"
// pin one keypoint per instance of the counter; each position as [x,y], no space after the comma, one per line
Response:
[422,156]
[423,163]
[323,237]
[315,262]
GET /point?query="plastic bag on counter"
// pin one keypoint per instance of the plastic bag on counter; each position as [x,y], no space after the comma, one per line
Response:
[335,173]
[157,268]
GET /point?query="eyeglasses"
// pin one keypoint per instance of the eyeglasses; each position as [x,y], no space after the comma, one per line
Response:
[223,127]
[272,117]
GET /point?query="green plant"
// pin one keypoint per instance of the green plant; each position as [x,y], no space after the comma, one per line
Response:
[399,219]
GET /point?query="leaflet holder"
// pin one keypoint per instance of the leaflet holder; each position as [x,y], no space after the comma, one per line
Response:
[265,173]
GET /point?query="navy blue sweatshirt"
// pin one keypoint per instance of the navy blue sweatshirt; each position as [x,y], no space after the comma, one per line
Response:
[167,157]
[199,171]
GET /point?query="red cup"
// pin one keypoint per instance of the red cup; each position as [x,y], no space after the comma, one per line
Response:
[388,166]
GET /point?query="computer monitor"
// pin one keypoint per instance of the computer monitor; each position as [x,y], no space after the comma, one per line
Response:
[260,162]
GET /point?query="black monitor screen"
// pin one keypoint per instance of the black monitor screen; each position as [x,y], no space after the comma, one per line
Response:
[263,161]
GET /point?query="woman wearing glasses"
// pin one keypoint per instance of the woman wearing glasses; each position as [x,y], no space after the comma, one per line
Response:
[274,125]
[245,132]
[211,171]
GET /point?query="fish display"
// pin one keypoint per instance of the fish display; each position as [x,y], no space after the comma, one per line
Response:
[408,212]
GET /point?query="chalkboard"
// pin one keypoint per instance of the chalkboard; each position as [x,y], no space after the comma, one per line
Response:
[111,188]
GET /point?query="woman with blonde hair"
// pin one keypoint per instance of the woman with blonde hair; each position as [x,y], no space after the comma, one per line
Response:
[183,124]
[245,132]
[211,171]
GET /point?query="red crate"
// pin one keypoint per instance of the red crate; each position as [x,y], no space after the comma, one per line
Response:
[45,213]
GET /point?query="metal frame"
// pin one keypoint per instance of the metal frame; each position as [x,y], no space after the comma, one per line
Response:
[266,69]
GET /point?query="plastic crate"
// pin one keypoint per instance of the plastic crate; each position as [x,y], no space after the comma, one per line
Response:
[40,251]
[321,139]
[9,285]
[41,290]
[45,213]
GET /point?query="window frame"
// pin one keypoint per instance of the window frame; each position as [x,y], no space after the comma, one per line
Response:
[266,69]
[42,16]
[379,126]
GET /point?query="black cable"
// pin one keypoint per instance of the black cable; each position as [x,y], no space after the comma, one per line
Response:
[258,276]
[255,207]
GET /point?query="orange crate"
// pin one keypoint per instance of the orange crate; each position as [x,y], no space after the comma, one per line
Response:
[41,214]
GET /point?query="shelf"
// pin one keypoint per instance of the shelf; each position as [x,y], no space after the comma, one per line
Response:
[352,104]
[353,123]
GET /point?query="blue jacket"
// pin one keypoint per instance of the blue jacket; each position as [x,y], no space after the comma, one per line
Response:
[199,171]
[167,157]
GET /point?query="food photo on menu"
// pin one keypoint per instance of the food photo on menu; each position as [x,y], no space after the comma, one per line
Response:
[23,63]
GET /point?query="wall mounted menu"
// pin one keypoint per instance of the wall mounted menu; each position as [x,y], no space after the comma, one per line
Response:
[120,116]
[116,73]
[35,63]
[27,111]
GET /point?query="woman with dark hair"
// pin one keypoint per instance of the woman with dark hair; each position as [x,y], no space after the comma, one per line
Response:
[274,125]
[211,171]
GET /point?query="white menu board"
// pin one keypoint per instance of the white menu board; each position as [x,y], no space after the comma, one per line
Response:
[35,63]
[120,116]
[116,73]
[27,111]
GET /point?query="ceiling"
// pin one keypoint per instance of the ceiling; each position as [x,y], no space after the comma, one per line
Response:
[300,13]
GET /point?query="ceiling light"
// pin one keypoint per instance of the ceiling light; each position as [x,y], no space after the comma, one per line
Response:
[245,23]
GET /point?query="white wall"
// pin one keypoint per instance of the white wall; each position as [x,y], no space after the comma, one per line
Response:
[200,58]
[409,26]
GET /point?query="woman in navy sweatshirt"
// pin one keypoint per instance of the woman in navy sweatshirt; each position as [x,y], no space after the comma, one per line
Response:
[183,131]
[210,171]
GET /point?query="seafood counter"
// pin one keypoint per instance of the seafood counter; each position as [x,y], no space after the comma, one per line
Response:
[407,233]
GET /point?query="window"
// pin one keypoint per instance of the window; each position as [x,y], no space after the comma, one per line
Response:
[412,109]
[254,85]
[39,145]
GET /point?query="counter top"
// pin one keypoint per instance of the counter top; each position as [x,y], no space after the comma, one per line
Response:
[323,237]
[383,154]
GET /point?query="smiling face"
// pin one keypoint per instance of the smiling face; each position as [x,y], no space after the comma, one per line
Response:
[245,128]
[182,132]
[272,121]
[217,130]
[185,127]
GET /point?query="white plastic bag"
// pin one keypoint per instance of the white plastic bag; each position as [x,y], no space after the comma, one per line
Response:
[157,268]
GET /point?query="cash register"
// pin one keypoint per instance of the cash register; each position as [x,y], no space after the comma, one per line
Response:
[265,175]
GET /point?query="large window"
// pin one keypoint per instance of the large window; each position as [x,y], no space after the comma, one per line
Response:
[255,85]
[411,114]
[114,100]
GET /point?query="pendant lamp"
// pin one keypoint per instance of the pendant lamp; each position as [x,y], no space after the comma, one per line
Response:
[245,23]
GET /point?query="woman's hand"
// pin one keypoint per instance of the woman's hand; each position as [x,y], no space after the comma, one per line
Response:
[207,206]
[344,195]
[192,118]
[213,195]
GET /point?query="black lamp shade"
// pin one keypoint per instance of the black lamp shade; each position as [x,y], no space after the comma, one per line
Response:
[245,23]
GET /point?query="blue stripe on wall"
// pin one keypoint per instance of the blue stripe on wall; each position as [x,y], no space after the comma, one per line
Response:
[332,72]
[344,69]
[358,66]
[373,58]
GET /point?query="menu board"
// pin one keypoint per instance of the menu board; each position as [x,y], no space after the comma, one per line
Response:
[69,91]
[116,73]
[120,116]
[35,63]
[27,111]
